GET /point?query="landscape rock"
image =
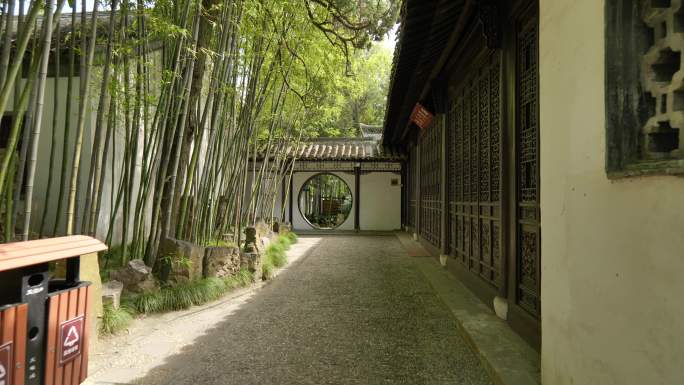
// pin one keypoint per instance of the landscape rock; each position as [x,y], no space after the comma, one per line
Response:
[111,293]
[284,228]
[136,277]
[179,261]
[250,237]
[252,262]
[221,262]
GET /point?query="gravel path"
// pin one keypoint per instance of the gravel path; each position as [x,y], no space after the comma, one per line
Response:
[353,311]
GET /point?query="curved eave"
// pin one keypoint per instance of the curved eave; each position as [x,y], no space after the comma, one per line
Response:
[426,29]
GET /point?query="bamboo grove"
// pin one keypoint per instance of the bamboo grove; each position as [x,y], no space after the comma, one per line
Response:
[159,111]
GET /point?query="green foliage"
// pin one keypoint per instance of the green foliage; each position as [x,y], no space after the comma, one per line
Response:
[177,261]
[284,241]
[115,320]
[185,295]
[267,269]
[292,237]
[275,255]
[112,259]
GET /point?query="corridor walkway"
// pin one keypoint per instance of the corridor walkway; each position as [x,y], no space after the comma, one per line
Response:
[355,310]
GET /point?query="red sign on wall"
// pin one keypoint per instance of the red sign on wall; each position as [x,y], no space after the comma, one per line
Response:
[6,364]
[70,339]
[421,116]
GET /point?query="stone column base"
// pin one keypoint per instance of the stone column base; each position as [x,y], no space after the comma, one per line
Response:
[501,307]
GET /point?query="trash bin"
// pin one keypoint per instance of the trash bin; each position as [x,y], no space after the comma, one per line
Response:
[44,322]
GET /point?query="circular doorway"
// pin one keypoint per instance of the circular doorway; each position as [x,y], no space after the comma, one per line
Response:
[325,201]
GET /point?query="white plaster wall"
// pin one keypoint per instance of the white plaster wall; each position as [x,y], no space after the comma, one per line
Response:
[380,204]
[298,221]
[43,156]
[112,170]
[612,251]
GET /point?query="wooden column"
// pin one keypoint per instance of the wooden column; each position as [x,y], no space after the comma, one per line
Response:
[443,186]
[404,195]
[291,199]
[418,193]
[282,198]
[357,196]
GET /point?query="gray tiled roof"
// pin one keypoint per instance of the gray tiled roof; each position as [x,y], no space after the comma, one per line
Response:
[342,149]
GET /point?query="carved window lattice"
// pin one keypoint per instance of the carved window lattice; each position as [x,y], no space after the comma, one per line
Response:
[430,174]
[528,229]
[474,134]
[644,92]
[661,136]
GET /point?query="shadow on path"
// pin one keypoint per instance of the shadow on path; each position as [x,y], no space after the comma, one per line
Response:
[354,311]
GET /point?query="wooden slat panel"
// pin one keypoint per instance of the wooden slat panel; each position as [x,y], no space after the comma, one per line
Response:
[71,313]
[20,344]
[86,333]
[20,254]
[8,319]
[63,300]
[80,310]
[12,246]
[51,347]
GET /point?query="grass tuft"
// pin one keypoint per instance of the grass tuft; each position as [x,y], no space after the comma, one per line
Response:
[292,237]
[275,255]
[186,295]
[115,320]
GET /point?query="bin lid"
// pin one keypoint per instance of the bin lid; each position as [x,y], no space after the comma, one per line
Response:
[21,254]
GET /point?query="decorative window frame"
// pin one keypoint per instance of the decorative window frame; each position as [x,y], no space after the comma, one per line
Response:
[644,94]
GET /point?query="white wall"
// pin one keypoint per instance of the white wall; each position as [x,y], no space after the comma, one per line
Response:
[612,251]
[43,156]
[112,170]
[380,204]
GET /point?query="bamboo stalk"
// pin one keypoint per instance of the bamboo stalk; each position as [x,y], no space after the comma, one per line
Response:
[84,92]
[33,154]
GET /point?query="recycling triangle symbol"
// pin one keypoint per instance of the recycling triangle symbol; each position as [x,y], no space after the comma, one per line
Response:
[72,337]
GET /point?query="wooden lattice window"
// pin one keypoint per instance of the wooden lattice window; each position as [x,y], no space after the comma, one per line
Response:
[528,227]
[644,82]
[430,172]
[474,158]
[412,186]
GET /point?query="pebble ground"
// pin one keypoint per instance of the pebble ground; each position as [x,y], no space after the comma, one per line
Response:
[353,311]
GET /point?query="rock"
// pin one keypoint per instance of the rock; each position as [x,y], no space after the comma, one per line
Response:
[250,236]
[221,262]
[136,277]
[252,262]
[501,307]
[111,293]
[263,230]
[284,228]
[179,261]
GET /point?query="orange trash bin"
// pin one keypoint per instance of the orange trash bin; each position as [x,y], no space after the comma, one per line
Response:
[44,322]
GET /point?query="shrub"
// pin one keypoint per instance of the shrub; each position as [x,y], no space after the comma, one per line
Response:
[267,269]
[115,320]
[185,295]
[275,253]
[292,237]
